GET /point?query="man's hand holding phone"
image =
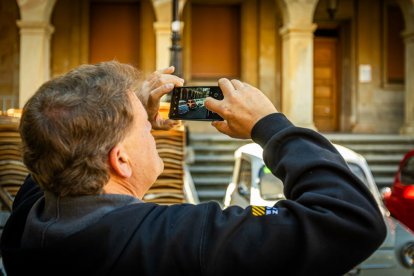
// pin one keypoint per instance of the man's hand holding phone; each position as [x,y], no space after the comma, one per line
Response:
[233,106]
[158,84]
[242,107]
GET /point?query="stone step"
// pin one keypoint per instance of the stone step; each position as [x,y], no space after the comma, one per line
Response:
[212,168]
[211,158]
[211,181]
[211,149]
[209,169]
[372,159]
[227,158]
[378,148]
[214,137]
[369,138]
[211,195]
[383,169]
[383,159]
[383,181]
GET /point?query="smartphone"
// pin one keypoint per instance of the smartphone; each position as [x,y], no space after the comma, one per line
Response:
[187,103]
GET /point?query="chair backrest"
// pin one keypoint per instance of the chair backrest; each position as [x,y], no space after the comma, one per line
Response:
[12,170]
[169,187]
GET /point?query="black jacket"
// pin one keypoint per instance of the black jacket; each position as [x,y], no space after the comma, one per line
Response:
[328,224]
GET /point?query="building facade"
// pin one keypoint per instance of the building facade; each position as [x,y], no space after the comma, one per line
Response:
[331,65]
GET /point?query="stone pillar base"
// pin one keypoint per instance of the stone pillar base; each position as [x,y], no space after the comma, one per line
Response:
[407,129]
[362,128]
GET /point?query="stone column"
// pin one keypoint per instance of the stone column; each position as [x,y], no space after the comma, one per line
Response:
[163,43]
[163,11]
[408,126]
[297,74]
[35,33]
[297,60]
[34,57]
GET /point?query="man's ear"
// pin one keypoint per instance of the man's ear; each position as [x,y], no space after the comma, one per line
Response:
[118,160]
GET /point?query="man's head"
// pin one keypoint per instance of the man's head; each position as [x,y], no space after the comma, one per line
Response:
[72,124]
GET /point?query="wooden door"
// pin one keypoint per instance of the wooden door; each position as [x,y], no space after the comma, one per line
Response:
[114,32]
[325,88]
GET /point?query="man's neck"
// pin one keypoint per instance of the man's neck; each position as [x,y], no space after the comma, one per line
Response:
[119,186]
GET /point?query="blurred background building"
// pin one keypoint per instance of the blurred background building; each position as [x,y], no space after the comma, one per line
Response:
[342,66]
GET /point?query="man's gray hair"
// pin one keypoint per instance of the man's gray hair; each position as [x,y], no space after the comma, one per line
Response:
[72,122]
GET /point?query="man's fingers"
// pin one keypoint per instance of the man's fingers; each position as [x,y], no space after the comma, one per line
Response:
[213,105]
[170,82]
[171,123]
[164,76]
[237,84]
[222,126]
[226,86]
[168,70]
[157,93]
[159,123]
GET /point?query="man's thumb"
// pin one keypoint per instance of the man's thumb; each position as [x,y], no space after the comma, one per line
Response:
[222,126]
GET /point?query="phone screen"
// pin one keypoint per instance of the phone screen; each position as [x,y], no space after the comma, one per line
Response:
[187,103]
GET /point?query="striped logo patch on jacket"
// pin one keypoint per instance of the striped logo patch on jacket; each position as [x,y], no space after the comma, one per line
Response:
[259,211]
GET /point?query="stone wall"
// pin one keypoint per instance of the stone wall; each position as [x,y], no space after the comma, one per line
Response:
[365,107]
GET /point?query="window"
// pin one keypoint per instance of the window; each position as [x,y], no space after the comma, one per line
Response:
[215,41]
[271,187]
[114,31]
[244,180]
[357,170]
[394,45]
[407,172]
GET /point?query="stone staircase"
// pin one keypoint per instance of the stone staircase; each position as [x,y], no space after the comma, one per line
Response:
[213,161]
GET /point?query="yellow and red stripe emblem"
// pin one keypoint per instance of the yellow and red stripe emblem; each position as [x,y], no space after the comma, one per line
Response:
[258,211]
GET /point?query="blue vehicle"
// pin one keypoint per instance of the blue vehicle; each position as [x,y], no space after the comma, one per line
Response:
[183,107]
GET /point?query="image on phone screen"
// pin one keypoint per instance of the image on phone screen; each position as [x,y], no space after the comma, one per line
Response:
[187,103]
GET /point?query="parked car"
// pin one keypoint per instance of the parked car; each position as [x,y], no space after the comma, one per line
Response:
[400,199]
[254,184]
[182,107]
